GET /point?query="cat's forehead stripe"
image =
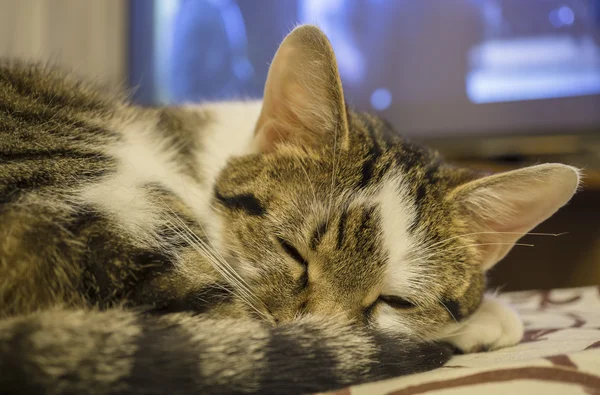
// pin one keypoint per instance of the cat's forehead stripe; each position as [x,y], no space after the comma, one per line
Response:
[318,235]
[371,158]
[342,228]
[373,169]
[246,202]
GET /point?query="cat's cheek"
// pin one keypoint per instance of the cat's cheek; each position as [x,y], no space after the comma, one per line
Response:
[493,326]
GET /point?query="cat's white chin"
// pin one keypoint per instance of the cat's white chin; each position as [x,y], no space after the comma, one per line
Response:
[494,325]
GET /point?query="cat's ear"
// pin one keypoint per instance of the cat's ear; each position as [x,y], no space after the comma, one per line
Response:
[303,98]
[506,206]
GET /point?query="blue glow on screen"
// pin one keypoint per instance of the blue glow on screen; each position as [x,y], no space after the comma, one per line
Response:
[534,68]
[496,50]
[561,59]
[563,16]
[524,86]
[381,99]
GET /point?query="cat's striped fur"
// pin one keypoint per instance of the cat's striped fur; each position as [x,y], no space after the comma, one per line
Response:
[173,250]
[119,351]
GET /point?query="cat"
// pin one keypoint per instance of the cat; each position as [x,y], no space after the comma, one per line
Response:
[290,245]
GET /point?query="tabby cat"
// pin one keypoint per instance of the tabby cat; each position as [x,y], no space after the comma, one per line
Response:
[284,246]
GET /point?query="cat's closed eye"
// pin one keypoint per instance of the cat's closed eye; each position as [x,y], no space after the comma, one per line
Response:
[396,302]
[393,301]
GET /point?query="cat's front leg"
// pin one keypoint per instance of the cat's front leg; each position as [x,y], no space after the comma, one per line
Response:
[494,325]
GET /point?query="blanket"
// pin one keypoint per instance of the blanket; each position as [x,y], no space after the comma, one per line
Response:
[559,354]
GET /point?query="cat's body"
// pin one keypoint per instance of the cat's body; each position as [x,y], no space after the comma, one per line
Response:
[286,246]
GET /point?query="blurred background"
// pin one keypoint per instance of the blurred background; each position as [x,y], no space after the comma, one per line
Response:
[493,84]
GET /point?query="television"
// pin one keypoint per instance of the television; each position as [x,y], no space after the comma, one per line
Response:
[435,69]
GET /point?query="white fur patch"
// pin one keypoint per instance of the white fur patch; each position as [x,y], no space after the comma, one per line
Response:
[397,215]
[142,159]
[402,272]
[494,325]
[145,158]
[230,135]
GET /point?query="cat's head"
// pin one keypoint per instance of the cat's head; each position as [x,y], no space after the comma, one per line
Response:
[336,214]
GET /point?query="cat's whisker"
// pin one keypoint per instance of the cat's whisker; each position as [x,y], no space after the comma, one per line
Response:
[490,244]
[422,259]
[222,267]
[210,249]
[333,171]
[310,183]
[438,252]
[312,188]
[495,232]
[212,245]
[241,293]
[446,307]
[205,253]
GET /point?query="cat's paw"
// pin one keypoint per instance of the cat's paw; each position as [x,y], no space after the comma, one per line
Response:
[493,326]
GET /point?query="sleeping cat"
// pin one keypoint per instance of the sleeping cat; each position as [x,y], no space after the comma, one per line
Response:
[284,246]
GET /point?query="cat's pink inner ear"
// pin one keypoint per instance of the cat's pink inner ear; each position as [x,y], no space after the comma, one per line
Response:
[504,207]
[303,98]
[271,133]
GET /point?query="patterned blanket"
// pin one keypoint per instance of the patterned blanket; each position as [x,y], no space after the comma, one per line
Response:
[559,354]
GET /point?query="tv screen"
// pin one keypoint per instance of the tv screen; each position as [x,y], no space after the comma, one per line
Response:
[431,67]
